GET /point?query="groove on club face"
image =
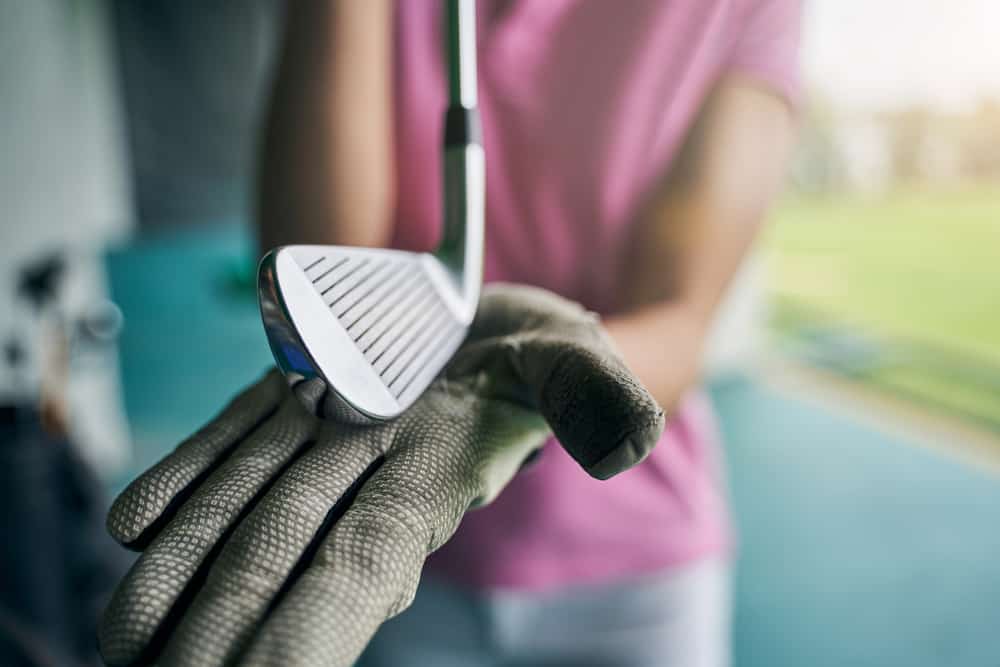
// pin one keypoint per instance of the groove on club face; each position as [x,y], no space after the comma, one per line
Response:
[375,326]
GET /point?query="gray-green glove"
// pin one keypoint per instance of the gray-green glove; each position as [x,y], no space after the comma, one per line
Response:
[271,537]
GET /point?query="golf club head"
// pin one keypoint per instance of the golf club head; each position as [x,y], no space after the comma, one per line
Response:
[360,333]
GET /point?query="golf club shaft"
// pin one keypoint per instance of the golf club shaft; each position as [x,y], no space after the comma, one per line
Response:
[461,51]
[461,247]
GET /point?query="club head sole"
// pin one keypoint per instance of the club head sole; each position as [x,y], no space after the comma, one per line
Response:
[360,333]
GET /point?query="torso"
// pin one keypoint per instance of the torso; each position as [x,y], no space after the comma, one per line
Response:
[584,105]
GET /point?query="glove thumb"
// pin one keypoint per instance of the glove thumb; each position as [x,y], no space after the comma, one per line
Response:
[601,414]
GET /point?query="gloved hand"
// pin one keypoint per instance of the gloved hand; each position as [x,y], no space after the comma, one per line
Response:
[272,537]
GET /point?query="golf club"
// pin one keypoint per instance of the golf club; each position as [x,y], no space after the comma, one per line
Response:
[360,333]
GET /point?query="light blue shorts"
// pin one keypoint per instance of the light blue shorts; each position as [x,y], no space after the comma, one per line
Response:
[675,619]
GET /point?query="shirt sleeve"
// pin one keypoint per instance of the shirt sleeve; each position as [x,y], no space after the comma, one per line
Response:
[766,46]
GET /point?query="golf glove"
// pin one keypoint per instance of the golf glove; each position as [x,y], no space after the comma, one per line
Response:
[271,537]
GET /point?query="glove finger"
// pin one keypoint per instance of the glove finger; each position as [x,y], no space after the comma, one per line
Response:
[367,569]
[597,409]
[266,547]
[144,506]
[163,574]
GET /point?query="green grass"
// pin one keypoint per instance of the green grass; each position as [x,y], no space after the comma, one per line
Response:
[918,272]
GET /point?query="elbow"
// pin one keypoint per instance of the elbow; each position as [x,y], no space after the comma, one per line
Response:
[285,217]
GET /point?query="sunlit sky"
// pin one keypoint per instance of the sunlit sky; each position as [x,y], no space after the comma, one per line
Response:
[874,54]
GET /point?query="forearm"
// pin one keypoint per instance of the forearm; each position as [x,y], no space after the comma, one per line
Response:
[704,242]
[662,345]
[325,172]
[696,231]
[662,337]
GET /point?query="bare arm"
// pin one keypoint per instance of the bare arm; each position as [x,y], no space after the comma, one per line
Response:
[326,171]
[696,230]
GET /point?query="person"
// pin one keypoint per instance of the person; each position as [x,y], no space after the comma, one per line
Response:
[632,151]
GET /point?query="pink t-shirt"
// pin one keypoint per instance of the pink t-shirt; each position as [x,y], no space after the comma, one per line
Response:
[584,104]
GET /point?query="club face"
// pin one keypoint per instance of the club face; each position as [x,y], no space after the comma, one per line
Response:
[360,333]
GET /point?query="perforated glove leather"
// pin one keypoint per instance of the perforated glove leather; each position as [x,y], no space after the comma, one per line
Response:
[271,537]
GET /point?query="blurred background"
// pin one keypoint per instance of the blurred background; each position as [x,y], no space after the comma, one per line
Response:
[856,366]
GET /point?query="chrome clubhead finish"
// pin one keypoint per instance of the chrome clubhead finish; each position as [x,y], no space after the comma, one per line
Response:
[364,331]
[360,333]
